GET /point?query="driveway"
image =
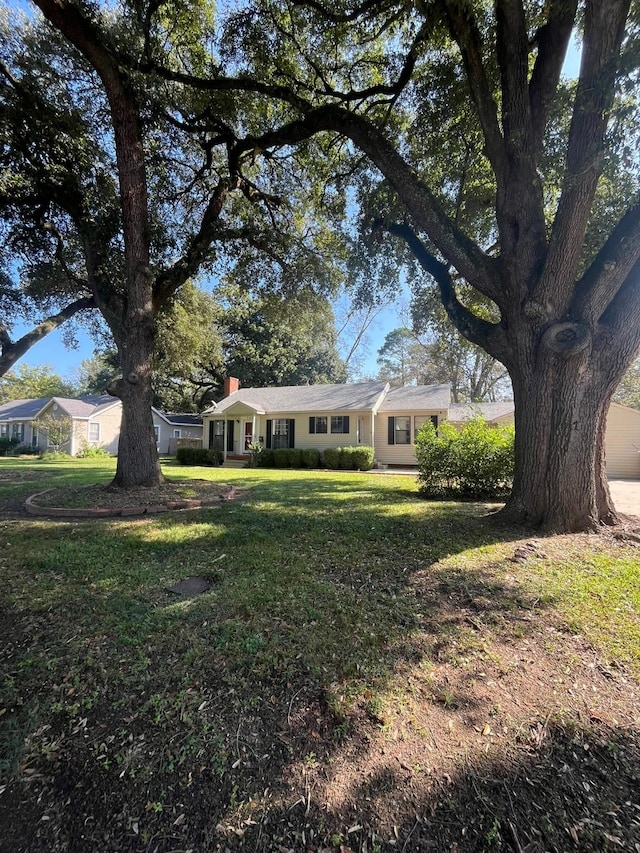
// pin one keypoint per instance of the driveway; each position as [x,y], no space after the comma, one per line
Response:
[626,496]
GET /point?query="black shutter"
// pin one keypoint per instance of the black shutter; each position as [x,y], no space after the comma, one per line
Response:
[312,425]
[345,424]
[211,439]
[230,426]
[269,433]
[392,431]
[292,432]
[434,421]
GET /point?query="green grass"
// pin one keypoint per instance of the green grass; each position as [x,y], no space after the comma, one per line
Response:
[316,581]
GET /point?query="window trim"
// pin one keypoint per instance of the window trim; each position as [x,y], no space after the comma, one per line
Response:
[316,422]
[93,424]
[393,431]
[344,425]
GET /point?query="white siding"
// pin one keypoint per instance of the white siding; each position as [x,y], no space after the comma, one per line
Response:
[622,442]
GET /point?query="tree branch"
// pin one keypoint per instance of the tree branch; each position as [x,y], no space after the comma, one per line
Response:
[464,254]
[11,351]
[552,40]
[604,30]
[609,269]
[490,336]
[464,30]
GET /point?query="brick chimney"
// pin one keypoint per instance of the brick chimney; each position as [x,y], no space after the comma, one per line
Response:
[230,385]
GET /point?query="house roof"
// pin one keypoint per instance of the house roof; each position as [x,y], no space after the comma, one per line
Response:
[22,410]
[76,407]
[180,418]
[417,397]
[356,396]
[462,412]
[86,406]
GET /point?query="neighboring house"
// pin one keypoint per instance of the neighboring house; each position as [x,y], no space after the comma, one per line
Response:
[372,413]
[176,429]
[95,421]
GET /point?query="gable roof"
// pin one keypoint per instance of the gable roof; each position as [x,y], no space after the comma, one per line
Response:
[462,412]
[412,397]
[86,406]
[22,410]
[179,418]
[356,396]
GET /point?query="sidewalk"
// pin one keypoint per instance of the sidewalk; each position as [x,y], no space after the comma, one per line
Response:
[626,496]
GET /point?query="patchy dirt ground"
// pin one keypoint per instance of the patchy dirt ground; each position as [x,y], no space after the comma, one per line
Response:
[109,497]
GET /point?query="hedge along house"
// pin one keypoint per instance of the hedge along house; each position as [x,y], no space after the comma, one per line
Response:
[323,416]
[94,421]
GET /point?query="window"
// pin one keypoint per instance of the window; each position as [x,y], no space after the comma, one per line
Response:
[94,432]
[400,430]
[216,435]
[177,433]
[156,432]
[4,429]
[17,431]
[281,433]
[317,424]
[421,420]
[340,424]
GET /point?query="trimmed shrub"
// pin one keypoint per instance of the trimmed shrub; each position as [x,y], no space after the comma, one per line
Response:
[346,460]
[281,458]
[331,457]
[362,457]
[198,456]
[474,462]
[265,459]
[310,457]
[349,458]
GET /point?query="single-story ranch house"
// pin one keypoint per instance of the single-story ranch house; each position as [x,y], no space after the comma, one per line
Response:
[95,422]
[372,413]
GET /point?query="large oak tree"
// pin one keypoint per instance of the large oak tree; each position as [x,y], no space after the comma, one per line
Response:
[120,186]
[494,171]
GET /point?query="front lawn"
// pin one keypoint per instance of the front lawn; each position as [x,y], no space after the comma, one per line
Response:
[369,671]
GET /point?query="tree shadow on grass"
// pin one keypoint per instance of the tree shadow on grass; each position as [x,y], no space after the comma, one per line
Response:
[340,674]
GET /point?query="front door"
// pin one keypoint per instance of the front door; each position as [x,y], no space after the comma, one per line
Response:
[248,434]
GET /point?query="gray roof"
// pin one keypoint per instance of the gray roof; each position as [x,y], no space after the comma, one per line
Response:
[77,407]
[86,406]
[356,396]
[461,412]
[417,398]
[22,410]
[181,418]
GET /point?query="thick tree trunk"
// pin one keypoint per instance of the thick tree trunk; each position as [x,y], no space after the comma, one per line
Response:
[138,463]
[561,408]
